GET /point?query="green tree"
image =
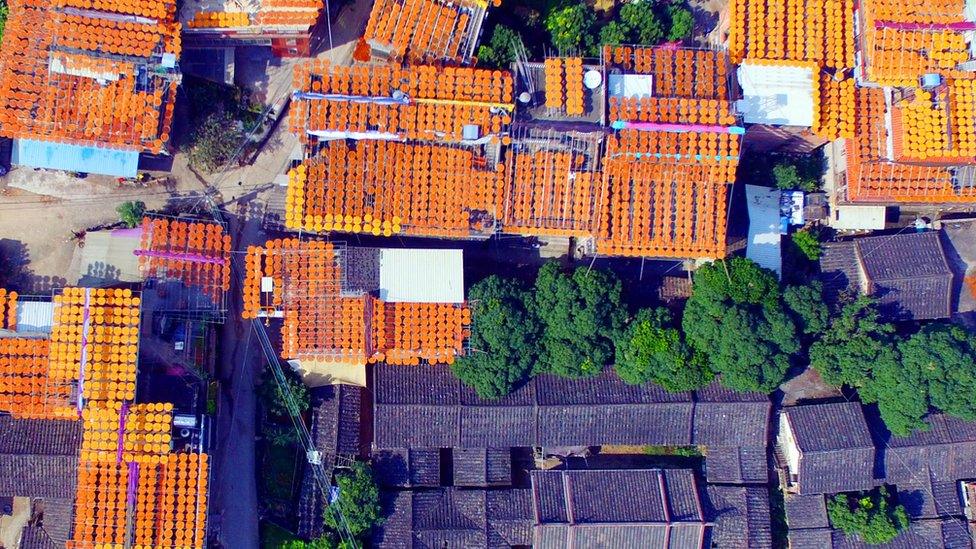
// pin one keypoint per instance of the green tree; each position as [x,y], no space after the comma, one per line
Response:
[808,242]
[736,319]
[4,11]
[131,213]
[645,26]
[503,338]
[943,355]
[871,516]
[856,341]
[280,435]
[500,50]
[214,142]
[901,395]
[612,34]
[788,176]
[582,315]
[651,349]
[806,305]
[571,27]
[356,510]
[273,398]
[682,22]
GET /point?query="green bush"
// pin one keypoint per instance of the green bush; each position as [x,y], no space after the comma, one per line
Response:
[682,22]
[214,142]
[356,510]
[807,242]
[788,176]
[644,24]
[613,33]
[274,399]
[500,50]
[571,28]
[652,349]
[870,516]
[4,11]
[131,213]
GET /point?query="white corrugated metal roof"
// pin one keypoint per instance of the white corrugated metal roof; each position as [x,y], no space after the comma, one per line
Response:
[764,227]
[858,218]
[421,276]
[776,94]
[34,317]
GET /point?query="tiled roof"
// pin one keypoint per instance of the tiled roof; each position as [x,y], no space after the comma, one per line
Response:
[455,518]
[34,537]
[39,436]
[922,534]
[943,450]
[38,458]
[839,270]
[908,273]
[737,464]
[741,516]
[592,508]
[408,468]
[482,466]
[806,512]
[420,408]
[837,449]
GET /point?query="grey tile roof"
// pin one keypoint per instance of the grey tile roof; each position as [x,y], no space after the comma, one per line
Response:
[741,516]
[39,436]
[482,466]
[57,519]
[455,518]
[837,449]
[737,465]
[34,537]
[552,411]
[921,534]
[806,512]
[908,273]
[811,538]
[402,467]
[944,450]
[617,508]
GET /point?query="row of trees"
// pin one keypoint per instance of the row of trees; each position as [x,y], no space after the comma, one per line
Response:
[739,325]
[575,27]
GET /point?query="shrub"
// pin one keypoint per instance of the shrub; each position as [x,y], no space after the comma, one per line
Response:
[682,22]
[131,213]
[500,50]
[870,516]
[807,241]
[571,28]
[644,25]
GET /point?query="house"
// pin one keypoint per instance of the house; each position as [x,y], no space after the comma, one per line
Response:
[97,96]
[454,517]
[908,273]
[39,463]
[286,27]
[430,408]
[336,432]
[826,448]
[648,508]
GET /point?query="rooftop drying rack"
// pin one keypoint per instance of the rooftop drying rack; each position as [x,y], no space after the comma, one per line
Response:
[426,30]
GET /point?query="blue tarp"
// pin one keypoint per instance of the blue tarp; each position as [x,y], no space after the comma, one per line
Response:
[75,158]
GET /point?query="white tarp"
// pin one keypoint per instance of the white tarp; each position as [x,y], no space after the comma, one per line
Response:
[764,227]
[35,317]
[631,85]
[421,275]
[858,218]
[776,95]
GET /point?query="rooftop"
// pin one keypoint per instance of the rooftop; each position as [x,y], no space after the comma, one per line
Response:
[426,30]
[90,78]
[248,15]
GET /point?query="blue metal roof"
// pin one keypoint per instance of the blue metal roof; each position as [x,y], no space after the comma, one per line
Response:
[75,158]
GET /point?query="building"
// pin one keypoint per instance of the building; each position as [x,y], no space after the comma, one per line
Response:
[107,470]
[336,432]
[342,307]
[909,274]
[632,156]
[425,31]
[825,449]
[88,90]
[285,26]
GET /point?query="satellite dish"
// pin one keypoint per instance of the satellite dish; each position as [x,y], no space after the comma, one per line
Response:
[592,79]
[525,97]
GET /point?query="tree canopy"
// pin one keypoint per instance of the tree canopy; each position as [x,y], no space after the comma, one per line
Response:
[653,350]
[871,516]
[736,319]
[131,212]
[807,241]
[644,24]
[499,52]
[503,338]
[581,314]
[856,341]
[273,398]
[214,142]
[943,355]
[356,510]
[682,22]
[571,27]
[805,303]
